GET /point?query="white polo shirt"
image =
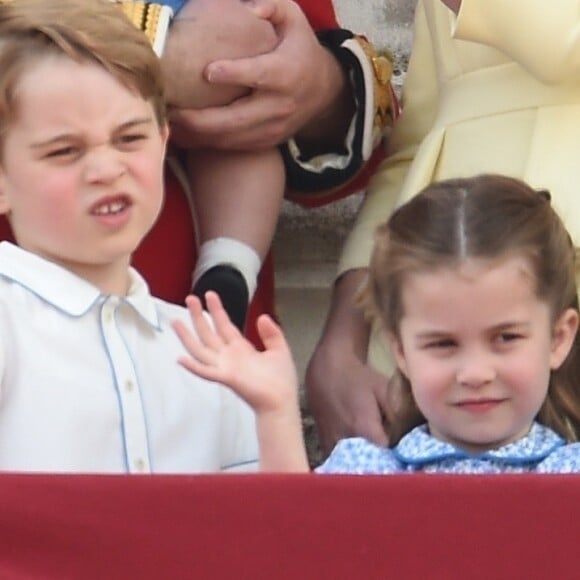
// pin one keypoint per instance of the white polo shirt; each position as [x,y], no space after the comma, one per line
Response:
[91,383]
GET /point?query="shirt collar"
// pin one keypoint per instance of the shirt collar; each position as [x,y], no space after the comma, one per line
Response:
[418,447]
[66,291]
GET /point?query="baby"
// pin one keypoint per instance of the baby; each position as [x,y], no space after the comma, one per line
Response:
[236,195]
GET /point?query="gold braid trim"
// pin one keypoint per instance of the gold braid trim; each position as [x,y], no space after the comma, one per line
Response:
[382,71]
[153,19]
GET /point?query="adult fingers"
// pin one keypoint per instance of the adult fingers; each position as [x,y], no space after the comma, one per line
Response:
[246,124]
[280,13]
[368,420]
[262,71]
[269,70]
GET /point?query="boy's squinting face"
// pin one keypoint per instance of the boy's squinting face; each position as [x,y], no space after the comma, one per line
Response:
[81,171]
[477,346]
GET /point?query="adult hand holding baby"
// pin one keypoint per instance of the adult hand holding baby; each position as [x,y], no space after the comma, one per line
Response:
[290,87]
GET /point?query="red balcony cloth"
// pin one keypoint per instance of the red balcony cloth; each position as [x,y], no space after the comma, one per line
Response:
[289,527]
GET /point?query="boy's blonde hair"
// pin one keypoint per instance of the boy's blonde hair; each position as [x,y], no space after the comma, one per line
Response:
[489,217]
[95,31]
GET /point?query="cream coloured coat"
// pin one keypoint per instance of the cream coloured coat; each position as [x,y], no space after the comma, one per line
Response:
[495,89]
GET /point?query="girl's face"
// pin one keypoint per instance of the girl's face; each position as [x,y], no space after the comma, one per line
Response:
[81,172]
[477,346]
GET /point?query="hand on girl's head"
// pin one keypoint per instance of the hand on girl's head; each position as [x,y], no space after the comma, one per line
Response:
[219,352]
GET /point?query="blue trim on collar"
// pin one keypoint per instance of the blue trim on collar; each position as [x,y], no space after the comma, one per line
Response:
[418,448]
[66,291]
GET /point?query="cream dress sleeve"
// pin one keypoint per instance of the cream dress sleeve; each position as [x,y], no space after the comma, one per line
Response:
[543,36]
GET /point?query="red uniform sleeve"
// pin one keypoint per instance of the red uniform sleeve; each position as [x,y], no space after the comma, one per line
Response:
[320,13]
[312,183]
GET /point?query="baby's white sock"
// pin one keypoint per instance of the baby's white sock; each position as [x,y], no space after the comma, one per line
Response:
[233,253]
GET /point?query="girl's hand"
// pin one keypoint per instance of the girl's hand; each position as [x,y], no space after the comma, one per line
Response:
[266,380]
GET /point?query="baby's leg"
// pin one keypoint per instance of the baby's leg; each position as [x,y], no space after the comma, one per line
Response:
[237,200]
[204,31]
[236,196]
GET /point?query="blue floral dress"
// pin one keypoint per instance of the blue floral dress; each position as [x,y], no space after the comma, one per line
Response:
[540,451]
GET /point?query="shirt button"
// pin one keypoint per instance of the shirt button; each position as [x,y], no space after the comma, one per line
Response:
[140,464]
[129,386]
[108,316]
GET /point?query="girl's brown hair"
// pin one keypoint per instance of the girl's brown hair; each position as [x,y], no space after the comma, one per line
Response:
[84,30]
[490,217]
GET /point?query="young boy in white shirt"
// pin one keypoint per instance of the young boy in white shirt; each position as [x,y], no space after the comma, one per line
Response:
[89,380]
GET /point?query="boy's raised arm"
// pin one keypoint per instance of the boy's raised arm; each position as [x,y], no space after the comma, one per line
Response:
[266,380]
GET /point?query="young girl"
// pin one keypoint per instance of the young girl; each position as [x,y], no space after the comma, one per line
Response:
[474,282]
